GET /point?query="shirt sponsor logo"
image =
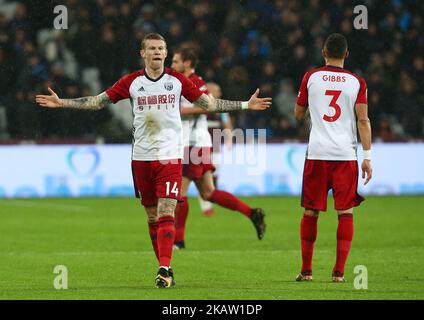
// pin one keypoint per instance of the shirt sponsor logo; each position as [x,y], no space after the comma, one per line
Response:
[161,99]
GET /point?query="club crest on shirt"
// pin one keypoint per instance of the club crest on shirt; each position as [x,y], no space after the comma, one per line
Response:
[168,86]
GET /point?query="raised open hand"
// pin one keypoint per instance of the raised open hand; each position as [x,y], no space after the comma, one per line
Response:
[51,101]
[256,103]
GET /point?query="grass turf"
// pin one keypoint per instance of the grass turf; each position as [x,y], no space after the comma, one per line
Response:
[105,246]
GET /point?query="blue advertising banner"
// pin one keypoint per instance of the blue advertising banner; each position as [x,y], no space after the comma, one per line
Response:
[268,169]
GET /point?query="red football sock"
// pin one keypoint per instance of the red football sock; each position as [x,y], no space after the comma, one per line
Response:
[166,235]
[153,232]
[344,240]
[181,213]
[229,201]
[308,235]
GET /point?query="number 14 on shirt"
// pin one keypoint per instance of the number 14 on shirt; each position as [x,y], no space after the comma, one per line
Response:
[174,189]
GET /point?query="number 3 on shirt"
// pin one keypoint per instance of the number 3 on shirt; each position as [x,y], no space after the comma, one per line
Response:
[333,104]
[174,189]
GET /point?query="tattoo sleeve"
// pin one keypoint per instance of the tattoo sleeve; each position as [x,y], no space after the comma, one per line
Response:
[217,105]
[87,103]
[166,207]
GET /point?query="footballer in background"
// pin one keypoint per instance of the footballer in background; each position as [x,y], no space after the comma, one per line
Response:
[197,164]
[223,122]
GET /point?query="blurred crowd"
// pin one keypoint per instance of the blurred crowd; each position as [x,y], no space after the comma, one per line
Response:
[242,45]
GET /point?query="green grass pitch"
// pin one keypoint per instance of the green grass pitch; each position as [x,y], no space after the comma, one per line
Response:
[105,246]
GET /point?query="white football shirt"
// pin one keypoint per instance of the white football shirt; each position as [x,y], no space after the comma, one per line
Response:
[331,93]
[195,128]
[157,130]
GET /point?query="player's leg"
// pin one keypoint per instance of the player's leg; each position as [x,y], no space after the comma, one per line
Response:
[167,178]
[314,200]
[308,236]
[345,184]
[344,241]
[145,185]
[181,213]
[207,206]
[227,200]
[152,221]
[145,188]
[165,236]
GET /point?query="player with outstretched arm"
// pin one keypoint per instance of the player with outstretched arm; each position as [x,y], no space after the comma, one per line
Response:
[155,93]
[337,102]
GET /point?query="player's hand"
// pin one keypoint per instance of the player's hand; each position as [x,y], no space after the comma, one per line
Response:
[51,101]
[256,103]
[366,170]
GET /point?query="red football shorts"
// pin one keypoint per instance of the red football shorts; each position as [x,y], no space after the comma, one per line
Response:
[319,176]
[197,161]
[157,179]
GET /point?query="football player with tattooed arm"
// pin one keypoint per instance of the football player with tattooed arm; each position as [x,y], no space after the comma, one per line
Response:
[155,93]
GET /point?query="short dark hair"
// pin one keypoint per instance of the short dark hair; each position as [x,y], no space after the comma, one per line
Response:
[335,46]
[188,54]
[151,36]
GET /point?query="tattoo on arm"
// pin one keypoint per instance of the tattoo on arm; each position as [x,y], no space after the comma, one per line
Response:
[87,103]
[217,105]
[166,207]
[204,102]
[227,105]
